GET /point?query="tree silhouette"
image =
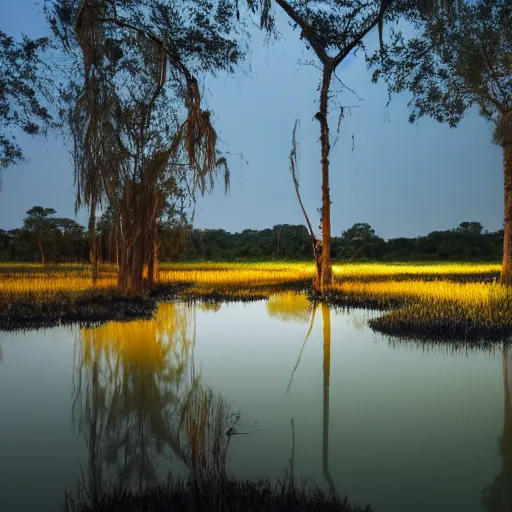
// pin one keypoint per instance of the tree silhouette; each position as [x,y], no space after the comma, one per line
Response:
[457,60]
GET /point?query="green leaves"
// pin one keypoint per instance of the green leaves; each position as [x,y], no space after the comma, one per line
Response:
[455,60]
[23,93]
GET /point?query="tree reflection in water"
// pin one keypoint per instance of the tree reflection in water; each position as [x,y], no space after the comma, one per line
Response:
[326,317]
[137,401]
[295,309]
[498,496]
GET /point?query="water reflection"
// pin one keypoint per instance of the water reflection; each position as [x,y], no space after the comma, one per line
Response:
[326,334]
[289,306]
[498,496]
[326,318]
[211,306]
[311,323]
[138,402]
[204,427]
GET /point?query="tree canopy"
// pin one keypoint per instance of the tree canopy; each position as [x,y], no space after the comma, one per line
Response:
[23,91]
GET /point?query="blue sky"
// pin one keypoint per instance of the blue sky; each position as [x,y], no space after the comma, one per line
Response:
[404,180]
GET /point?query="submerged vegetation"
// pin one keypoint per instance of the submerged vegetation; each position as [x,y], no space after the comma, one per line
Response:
[459,301]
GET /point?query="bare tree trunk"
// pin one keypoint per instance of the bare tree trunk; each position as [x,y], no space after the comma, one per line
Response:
[93,247]
[117,248]
[132,221]
[153,266]
[41,250]
[325,277]
[153,244]
[506,271]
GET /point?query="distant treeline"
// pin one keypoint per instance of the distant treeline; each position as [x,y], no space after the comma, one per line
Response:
[48,238]
[469,241]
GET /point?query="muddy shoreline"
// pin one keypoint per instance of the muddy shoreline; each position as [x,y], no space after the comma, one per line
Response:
[86,311]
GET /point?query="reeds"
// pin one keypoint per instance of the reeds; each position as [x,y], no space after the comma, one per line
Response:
[448,301]
[213,495]
[435,309]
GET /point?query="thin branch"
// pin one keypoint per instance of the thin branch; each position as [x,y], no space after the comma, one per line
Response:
[175,58]
[359,37]
[348,88]
[494,75]
[293,161]
[311,323]
[307,31]
[357,252]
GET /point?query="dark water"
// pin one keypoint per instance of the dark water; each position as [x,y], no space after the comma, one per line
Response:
[396,425]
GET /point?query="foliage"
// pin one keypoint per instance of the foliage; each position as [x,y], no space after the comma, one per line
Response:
[455,60]
[361,240]
[136,115]
[46,238]
[23,94]
[67,241]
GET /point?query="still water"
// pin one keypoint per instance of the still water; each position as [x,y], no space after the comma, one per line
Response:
[399,426]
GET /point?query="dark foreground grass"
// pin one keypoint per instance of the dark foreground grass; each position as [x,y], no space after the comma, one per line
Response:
[212,495]
[87,308]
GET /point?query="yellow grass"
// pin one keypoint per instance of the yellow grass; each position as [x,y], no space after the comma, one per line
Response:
[41,283]
[423,292]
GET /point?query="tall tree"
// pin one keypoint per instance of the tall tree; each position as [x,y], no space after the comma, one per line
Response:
[137,118]
[333,30]
[41,226]
[457,60]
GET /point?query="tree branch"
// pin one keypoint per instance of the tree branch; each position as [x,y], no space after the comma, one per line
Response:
[494,75]
[384,6]
[173,56]
[293,160]
[307,31]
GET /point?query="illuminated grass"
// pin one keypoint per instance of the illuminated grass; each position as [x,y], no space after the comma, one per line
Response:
[423,299]
[440,309]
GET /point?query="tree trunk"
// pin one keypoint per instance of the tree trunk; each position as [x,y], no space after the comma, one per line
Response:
[93,250]
[325,278]
[153,263]
[131,233]
[41,250]
[130,278]
[153,244]
[506,271]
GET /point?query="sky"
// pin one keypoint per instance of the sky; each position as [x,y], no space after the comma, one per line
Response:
[402,179]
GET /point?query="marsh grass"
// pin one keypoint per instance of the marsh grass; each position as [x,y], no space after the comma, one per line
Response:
[214,495]
[443,310]
[456,301]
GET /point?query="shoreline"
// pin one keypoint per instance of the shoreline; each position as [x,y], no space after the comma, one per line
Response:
[213,494]
[103,306]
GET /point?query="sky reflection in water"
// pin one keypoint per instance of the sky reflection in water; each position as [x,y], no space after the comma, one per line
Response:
[390,424]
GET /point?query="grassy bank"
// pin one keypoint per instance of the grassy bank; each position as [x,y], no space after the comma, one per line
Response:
[212,496]
[425,300]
